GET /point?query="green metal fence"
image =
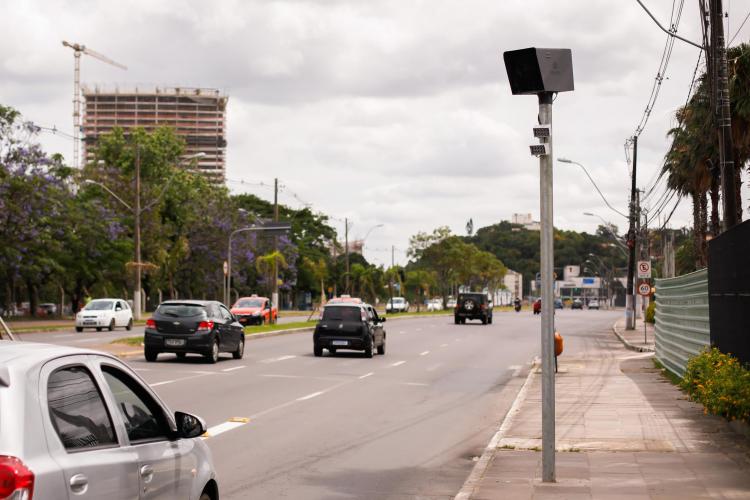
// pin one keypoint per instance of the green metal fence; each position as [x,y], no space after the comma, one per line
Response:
[682,325]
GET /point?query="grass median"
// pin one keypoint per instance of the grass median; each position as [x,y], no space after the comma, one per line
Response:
[249,330]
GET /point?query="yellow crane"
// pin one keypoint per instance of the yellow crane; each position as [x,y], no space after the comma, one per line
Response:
[79,49]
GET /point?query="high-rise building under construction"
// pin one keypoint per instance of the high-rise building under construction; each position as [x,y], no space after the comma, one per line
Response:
[197,115]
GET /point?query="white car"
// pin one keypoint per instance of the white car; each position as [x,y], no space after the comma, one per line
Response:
[397,304]
[435,305]
[594,304]
[105,313]
[82,424]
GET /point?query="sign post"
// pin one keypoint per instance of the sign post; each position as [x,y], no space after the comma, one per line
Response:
[644,290]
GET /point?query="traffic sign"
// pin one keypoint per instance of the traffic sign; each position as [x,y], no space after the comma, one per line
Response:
[644,268]
[644,288]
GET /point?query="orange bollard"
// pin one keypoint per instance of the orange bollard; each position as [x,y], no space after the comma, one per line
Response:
[558,344]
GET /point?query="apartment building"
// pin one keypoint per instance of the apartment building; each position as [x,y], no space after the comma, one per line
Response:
[197,114]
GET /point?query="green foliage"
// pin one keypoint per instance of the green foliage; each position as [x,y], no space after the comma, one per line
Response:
[720,383]
[651,312]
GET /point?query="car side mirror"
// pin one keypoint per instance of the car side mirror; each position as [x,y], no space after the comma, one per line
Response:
[382,320]
[118,308]
[189,426]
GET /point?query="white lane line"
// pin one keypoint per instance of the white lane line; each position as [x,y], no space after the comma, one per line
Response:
[366,375]
[280,358]
[425,353]
[310,396]
[234,368]
[417,384]
[281,376]
[162,383]
[458,340]
[224,427]
[398,363]
[434,367]
[86,341]
[402,331]
[443,345]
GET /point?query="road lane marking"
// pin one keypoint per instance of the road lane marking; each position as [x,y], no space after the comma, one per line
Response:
[434,367]
[398,363]
[416,384]
[232,423]
[366,375]
[86,341]
[425,353]
[402,331]
[162,383]
[280,358]
[310,396]
[443,345]
[234,368]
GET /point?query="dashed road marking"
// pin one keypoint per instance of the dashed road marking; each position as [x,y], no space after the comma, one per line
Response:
[443,345]
[230,424]
[310,396]
[367,375]
[416,384]
[402,331]
[280,358]
[162,383]
[234,368]
[425,353]
[398,363]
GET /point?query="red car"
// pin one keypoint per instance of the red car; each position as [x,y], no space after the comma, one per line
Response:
[255,310]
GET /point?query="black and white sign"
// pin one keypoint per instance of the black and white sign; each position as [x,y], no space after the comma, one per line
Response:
[644,268]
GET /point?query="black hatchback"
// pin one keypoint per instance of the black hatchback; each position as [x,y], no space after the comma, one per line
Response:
[193,326]
[350,326]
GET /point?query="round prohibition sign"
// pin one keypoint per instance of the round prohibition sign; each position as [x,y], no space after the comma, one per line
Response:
[644,289]
[644,267]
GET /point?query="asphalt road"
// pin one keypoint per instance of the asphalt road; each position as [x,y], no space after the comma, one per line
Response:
[404,425]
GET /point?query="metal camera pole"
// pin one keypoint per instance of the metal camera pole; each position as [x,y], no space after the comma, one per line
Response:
[547,265]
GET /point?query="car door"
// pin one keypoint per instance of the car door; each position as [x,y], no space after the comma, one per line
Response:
[232,328]
[81,434]
[379,331]
[120,314]
[164,463]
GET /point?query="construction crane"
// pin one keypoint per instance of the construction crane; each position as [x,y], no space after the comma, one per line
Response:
[79,49]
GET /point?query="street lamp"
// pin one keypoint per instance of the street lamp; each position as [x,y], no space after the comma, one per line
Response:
[607,226]
[565,160]
[137,211]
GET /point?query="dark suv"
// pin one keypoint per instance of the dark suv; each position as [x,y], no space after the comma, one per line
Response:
[350,326]
[193,326]
[473,306]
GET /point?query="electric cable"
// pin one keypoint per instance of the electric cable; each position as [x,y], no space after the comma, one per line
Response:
[739,29]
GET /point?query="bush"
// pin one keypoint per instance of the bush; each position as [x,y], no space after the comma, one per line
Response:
[651,312]
[720,383]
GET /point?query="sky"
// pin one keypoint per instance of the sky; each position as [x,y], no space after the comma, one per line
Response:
[393,113]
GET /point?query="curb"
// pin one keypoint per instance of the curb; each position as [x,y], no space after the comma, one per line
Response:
[477,473]
[627,344]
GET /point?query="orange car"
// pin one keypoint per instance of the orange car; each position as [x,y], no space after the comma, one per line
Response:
[255,310]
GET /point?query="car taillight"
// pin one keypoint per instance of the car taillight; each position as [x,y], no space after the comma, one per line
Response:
[151,324]
[483,306]
[16,480]
[205,326]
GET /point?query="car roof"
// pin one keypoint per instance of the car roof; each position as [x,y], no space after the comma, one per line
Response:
[15,353]
[347,304]
[345,299]
[252,297]
[189,302]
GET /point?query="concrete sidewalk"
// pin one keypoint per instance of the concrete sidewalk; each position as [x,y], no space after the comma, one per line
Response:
[622,431]
[640,339]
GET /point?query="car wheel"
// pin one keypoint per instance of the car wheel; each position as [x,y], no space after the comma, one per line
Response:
[79,329]
[484,320]
[213,354]
[381,348]
[98,328]
[240,350]
[456,320]
[129,326]
[489,320]
[463,321]
[370,348]
[332,351]
[317,350]
[150,354]
[180,355]
[111,326]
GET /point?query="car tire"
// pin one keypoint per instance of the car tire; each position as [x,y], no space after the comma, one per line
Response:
[79,329]
[129,326]
[212,356]
[332,351]
[485,320]
[240,350]
[456,320]
[98,328]
[381,348]
[317,350]
[489,320]
[370,348]
[111,326]
[150,354]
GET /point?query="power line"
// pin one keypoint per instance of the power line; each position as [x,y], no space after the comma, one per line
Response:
[739,29]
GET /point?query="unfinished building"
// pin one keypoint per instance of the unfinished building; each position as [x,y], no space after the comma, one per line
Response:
[198,115]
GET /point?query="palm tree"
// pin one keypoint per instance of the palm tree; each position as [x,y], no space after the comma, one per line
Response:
[264,266]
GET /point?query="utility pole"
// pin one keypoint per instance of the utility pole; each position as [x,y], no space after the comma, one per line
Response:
[723,115]
[346,244]
[275,293]
[548,300]
[629,296]
[137,211]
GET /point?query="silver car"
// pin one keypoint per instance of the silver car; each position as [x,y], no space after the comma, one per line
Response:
[77,424]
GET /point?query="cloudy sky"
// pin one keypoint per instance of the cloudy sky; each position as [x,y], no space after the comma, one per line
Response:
[386,112]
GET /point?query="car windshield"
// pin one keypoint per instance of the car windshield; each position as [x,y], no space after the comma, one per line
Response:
[99,305]
[397,301]
[249,303]
[180,310]
[342,314]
